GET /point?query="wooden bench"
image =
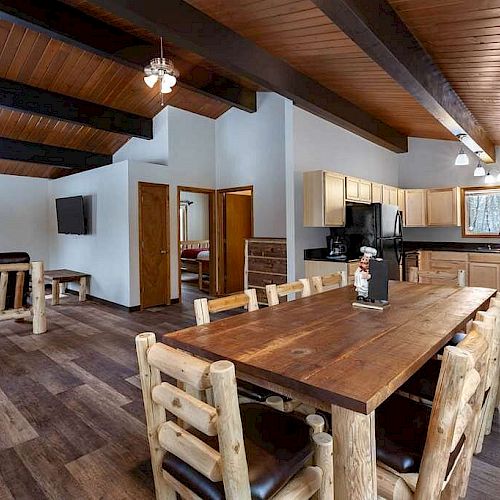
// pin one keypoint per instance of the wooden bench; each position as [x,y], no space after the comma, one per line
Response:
[62,276]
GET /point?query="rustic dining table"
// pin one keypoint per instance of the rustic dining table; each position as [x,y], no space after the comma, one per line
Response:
[345,360]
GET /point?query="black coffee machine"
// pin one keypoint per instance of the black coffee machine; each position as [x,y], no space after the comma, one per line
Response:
[337,248]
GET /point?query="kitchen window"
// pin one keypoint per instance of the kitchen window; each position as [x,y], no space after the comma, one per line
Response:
[481,212]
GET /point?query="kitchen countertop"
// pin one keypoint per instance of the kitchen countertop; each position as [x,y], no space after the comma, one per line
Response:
[441,246]
[321,255]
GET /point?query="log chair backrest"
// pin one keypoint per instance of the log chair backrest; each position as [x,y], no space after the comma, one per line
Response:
[222,420]
[455,411]
[328,282]
[274,292]
[204,307]
[16,292]
[458,278]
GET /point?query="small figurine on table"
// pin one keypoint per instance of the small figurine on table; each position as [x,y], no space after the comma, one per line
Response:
[362,274]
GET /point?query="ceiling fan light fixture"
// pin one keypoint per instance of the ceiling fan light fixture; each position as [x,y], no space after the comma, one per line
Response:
[161,70]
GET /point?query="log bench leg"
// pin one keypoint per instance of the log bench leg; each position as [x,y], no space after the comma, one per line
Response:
[354,455]
[55,292]
[82,296]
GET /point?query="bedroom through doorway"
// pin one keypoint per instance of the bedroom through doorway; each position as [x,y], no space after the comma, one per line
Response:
[196,240]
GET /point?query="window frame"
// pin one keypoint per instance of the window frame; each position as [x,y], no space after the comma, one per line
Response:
[464,191]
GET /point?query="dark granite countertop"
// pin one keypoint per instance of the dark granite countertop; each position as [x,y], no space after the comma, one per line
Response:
[322,253]
[412,246]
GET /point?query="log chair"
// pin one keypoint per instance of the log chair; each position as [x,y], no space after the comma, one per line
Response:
[274,292]
[446,457]
[18,310]
[442,277]
[328,282]
[220,449]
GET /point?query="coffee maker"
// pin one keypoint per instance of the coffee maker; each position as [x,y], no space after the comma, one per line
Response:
[336,248]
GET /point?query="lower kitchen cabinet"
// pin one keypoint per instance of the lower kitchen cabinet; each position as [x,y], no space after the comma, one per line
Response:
[484,270]
[322,267]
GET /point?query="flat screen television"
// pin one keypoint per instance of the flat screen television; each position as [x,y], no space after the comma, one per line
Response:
[71,215]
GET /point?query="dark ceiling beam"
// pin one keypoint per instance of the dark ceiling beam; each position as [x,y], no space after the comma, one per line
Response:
[191,29]
[70,25]
[12,149]
[377,29]
[21,97]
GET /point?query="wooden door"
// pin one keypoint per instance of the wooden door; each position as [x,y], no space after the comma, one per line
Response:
[334,199]
[237,228]
[352,189]
[154,244]
[393,196]
[365,191]
[415,208]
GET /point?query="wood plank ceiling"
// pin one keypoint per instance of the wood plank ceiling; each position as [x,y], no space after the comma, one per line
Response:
[463,38]
[298,32]
[36,59]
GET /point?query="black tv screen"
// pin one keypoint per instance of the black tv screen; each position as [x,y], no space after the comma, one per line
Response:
[70,215]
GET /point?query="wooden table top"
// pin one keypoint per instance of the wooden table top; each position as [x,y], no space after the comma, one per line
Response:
[64,275]
[323,347]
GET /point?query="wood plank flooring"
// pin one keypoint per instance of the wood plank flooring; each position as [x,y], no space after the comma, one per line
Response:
[71,415]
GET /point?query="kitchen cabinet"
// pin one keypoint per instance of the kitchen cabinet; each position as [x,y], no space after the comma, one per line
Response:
[324,199]
[376,193]
[358,190]
[401,203]
[322,267]
[389,195]
[415,208]
[484,270]
[443,207]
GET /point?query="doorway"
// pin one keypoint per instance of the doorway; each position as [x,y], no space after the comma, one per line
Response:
[235,225]
[154,244]
[196,241]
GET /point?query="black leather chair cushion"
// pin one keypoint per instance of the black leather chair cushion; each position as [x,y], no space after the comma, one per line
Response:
[423,384]
[252,391]
[15,258]
[277,446]
[401,430]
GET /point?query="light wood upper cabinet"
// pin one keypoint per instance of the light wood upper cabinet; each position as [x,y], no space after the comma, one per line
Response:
[358,190]
[324,199]
[443,207]
[415,208]
[389,195]
[401,203]
[376,193]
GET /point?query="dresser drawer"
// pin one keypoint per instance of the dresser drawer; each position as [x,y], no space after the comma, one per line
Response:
[267,264]
[266,249]
[263,279]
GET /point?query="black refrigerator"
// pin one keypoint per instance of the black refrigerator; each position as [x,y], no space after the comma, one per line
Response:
[378,226]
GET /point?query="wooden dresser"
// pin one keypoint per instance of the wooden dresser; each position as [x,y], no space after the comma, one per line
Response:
[265,263]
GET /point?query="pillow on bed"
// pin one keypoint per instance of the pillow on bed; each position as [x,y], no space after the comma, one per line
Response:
[204,255]
[191,253]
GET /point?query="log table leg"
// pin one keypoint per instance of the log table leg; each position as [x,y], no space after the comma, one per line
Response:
[83,289]
[55,292]
[38,286]
[354,454]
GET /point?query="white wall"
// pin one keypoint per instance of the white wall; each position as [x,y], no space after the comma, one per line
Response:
[24,216]
[152,151]
[430,163]
[104,253]
[250,150]
[191,162]
[321,145]
[198,215]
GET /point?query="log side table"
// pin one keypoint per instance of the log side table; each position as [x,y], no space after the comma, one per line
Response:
[61,276]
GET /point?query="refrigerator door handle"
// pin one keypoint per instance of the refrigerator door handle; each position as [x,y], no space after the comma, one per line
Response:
[398,225]
[397,251]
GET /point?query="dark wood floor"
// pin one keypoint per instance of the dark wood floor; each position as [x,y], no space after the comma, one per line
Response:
[71,416]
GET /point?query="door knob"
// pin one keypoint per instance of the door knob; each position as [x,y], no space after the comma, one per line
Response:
[163,251]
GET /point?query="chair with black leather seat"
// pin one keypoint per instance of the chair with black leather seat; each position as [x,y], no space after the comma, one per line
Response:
[14,290]
[426,452]
[328,282]
[275,292]
[224,451]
